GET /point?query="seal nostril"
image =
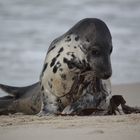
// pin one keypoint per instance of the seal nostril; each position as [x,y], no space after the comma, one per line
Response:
[106,75]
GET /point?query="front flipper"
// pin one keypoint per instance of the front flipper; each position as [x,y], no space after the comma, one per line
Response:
[49,105]
[75,107]
[88,104]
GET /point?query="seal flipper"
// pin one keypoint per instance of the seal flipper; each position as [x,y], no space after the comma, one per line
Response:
[16,91]
[26,100]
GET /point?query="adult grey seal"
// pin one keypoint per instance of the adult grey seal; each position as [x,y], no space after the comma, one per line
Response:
[71,80]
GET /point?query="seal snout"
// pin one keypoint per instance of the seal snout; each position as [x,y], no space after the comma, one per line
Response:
[107,75]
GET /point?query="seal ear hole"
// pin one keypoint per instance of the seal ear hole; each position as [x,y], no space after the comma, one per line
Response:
[111,50]
[87,40]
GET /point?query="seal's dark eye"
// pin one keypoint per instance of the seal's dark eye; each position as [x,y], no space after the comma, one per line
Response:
[111,50]
[95,52]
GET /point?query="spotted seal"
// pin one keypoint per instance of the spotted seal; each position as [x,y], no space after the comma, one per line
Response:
[86,47]
[74,75]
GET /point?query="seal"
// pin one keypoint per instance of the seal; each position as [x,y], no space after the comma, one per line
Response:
[86,47]
[74,78]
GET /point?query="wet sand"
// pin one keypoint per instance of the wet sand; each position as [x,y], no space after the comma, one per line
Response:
[122,127]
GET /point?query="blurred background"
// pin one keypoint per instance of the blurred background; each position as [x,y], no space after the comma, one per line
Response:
[27,28]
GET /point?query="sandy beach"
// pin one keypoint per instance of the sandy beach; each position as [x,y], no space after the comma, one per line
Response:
[122,127]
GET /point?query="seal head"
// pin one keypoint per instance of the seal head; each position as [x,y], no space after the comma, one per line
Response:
[98,47]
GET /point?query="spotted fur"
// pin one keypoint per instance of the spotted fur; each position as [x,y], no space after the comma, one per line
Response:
[67,57]
[62,58]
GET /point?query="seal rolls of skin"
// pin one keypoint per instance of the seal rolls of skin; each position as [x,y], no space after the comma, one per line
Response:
[71,81]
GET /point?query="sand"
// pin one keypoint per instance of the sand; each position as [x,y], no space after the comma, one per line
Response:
[120,127]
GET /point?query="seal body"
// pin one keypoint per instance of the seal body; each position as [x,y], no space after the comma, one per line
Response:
[85,47]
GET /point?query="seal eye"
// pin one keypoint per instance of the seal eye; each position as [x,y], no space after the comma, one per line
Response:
[95,52]
[111,50]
